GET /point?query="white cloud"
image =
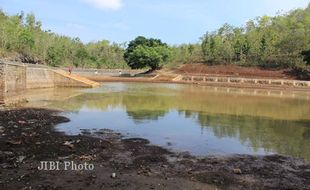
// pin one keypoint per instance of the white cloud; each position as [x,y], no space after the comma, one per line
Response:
[105,4]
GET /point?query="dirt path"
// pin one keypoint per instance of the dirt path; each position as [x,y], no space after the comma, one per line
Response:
[28,137]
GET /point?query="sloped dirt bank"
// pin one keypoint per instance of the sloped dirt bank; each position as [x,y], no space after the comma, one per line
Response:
[241,71]
[28,137]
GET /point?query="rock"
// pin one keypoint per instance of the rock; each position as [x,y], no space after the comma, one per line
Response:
[113,175]
[14,142]
[237,171]
[22,122]
[20,158]
[69,144]
[86,157]
[64,157]
[7,153]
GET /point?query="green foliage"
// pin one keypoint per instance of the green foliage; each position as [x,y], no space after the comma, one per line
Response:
[186,53]
[54,56]
[280,41]
[23,34]
[143,52]
[106,55]
[306,55]
[80,56]
[266,41]
[25,41]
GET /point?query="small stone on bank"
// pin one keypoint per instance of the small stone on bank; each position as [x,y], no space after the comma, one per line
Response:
[237,171]
[69,144]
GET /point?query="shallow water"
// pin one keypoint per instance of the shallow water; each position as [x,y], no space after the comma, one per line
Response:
[201,120]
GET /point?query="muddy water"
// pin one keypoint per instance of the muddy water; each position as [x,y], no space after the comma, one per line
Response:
[201,120]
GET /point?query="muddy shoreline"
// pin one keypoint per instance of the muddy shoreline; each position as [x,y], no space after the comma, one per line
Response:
[28,137]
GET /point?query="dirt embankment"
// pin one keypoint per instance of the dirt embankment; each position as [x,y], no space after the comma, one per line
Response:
[28,137]
[237,71]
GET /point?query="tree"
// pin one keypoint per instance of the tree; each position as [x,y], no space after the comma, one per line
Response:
[54,56]
[22,35]
[25,41]
[143,52]
[280,41]
[306,55]
[185,54]
[80,56]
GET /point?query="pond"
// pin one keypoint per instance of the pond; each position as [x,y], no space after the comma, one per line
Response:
[199,119]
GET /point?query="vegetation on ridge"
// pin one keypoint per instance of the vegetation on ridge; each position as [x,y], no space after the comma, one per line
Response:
[282,41]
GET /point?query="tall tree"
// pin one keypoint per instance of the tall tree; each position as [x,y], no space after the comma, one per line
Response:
[143,52]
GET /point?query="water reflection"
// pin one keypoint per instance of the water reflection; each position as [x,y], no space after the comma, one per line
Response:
[202,120]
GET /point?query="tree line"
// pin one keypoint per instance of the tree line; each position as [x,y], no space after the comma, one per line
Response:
[280,41]
[22,36]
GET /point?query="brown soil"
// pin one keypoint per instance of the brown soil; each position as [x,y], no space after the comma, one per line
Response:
[28,137]
[238,71]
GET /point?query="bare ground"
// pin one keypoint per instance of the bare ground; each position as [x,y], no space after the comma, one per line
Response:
[28,137]
[237,71]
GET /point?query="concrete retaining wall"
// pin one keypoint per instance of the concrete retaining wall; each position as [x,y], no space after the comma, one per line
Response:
[1,83]
[40,78]
[245,81]
[16,78]
[105,72]
[13,81]
[62,81]
[47,78]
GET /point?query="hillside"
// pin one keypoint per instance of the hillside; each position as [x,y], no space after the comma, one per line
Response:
[281,42]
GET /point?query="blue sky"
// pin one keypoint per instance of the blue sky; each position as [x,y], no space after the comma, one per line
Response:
[173,21]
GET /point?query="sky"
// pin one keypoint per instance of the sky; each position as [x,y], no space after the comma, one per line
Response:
[172,21]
